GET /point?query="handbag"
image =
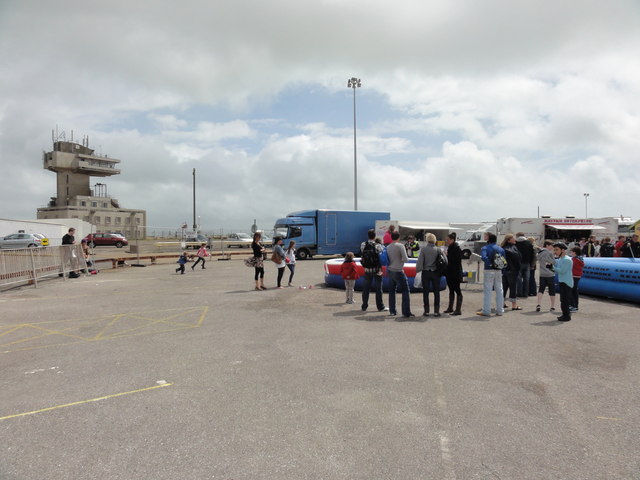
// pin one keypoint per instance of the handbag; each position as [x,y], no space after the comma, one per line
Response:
[417,280]
[251,262]
[276,258]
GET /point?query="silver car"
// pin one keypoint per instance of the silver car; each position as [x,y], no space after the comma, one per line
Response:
[22,240]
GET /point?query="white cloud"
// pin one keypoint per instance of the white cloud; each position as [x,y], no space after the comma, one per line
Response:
[523,105]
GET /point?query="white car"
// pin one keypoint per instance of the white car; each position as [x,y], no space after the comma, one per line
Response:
[239,240]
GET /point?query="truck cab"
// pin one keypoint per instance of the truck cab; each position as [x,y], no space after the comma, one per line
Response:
[300,227]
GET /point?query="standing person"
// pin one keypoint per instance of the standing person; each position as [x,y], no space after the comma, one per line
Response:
[427,266]
[258,253]
[576,273]
[492,257]
[514,262]
[278,251]
[606,248]
[631,248]
[454,274]
[617,248]
[182,261]
[547,275]
[589,248]
[349,275]
[412,247]
[533,288]
[370,259]
[563,267]
[69,254]
[387,238]
[290,260]
[397,279]
[202,253]
[526,257]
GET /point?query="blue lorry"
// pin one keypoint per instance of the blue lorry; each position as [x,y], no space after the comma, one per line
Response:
[327,232]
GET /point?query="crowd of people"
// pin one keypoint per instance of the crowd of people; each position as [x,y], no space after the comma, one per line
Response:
[509,270]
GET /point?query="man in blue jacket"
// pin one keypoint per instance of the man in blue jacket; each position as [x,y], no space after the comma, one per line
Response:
[492,277]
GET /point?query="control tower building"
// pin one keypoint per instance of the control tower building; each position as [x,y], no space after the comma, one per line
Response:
[74,165]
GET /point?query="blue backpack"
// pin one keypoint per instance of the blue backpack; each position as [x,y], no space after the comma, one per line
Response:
[384,258]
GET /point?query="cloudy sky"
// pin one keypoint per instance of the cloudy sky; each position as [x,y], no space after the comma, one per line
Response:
[468,110]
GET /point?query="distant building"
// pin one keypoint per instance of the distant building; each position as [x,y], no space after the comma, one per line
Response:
[74,165]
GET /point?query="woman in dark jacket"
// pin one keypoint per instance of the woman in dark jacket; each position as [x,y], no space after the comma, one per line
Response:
[510,274]
[258,253]
[454,274]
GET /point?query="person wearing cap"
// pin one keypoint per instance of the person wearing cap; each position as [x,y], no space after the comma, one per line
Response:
[564,268]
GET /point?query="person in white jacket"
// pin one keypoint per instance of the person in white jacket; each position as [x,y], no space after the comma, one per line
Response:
[290,259]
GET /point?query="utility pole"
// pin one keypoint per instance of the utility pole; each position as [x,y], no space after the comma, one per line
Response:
[195,225]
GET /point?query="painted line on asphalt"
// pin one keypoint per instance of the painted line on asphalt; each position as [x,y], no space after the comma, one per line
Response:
[82,402]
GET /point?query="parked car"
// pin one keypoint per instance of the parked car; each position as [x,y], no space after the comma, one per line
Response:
[194,241]
[106,239]
[23,240]
[239,240]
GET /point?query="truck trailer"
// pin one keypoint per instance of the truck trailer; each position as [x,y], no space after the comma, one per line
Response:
[327,232]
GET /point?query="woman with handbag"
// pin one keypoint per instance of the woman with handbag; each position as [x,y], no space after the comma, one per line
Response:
[277,257]
[258,260]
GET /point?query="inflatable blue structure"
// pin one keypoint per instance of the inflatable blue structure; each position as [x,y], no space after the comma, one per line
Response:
[333,278]
[617,278]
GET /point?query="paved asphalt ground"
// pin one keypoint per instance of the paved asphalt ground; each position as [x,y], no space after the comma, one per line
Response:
[140,373]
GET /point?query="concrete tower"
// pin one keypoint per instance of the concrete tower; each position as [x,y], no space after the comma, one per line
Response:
[74,165]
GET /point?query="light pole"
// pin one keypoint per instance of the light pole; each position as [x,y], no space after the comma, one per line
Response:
[354,82]
[586,198]
[195,225]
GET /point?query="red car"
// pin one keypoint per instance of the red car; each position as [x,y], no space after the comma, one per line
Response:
[106,239]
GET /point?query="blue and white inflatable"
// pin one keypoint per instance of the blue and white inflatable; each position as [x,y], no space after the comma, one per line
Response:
[617,278]
[333,278]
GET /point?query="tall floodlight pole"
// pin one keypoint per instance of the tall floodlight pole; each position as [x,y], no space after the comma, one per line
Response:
[586,198]
[195,225]
[354,83]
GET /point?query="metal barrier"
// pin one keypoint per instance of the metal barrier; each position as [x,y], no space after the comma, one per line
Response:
[28,265]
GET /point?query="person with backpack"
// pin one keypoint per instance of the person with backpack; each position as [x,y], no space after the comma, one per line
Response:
[370,259]
[494,261]
[606,248]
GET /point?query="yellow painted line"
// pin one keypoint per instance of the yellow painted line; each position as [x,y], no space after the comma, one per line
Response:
[85,401]
[11,330]
[115,319]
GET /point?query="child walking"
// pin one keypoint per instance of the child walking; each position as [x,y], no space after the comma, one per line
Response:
[182,261]
[349,274]
[290,260]
[563,266]
[578,264]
